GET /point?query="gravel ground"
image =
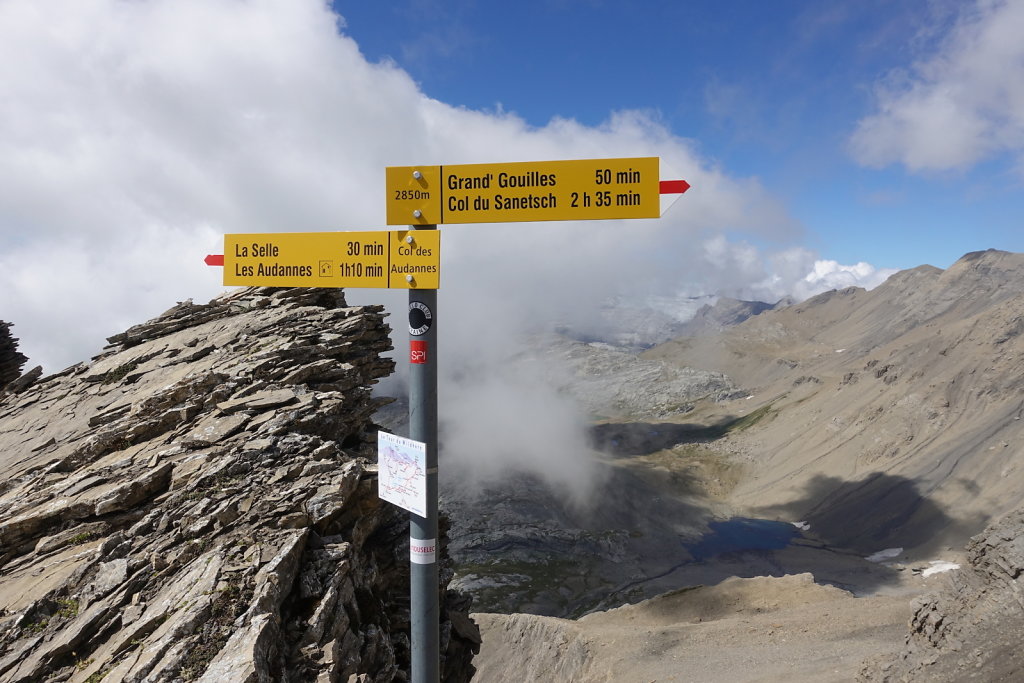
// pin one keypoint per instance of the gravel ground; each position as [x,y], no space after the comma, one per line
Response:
[741,630]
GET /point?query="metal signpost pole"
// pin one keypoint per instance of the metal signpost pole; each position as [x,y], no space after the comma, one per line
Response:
[423,551]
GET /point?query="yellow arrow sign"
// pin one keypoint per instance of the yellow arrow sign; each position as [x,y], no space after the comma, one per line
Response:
[524,191]
[404,259]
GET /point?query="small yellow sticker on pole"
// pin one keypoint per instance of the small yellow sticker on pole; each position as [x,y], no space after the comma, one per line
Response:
[402,259]
[585,189]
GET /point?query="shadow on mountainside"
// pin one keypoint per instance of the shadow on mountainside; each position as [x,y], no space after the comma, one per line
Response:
[754,547]
[828,566]
[874,513]
[644,438]
[521,547]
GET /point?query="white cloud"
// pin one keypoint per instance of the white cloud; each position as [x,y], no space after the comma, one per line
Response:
[133,134]
[747,273]
[826,275]
[959,105]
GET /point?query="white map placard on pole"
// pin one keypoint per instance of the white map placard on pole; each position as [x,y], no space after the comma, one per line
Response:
[403,472]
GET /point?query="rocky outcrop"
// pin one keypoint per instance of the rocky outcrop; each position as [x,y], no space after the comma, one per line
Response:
[607,381]
[972,630]
[199,502]
[11,360]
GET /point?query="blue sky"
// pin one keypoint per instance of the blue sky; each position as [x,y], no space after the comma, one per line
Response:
[767,90]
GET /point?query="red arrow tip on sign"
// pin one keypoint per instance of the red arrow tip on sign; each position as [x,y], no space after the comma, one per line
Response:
[674,186]
[214,259]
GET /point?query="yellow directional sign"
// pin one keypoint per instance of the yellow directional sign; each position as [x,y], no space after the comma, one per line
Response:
[524,191]
[405,259]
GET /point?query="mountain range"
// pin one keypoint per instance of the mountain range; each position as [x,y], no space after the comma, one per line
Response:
[886,426]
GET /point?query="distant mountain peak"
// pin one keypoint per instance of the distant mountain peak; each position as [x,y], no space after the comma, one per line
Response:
[984,254]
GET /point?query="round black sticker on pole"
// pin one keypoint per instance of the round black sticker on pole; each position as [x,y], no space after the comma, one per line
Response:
[419,318]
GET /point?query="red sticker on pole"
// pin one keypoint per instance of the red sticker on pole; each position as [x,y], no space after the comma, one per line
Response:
[418,351]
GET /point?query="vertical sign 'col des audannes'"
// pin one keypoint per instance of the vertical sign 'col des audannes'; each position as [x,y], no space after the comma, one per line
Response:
[524,191]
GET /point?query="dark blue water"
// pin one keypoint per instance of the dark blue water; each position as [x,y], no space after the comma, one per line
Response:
[741,533]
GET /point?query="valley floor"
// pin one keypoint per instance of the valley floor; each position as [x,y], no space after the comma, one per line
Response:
[742,630]
[804,613]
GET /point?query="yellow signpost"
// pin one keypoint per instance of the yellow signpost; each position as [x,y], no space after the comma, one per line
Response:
[402,259]
[424,197]
[584,189]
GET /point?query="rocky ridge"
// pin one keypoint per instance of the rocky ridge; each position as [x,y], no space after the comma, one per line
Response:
[198,502]
[725,313]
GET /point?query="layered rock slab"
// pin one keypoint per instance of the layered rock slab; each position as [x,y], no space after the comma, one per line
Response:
[198,502]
